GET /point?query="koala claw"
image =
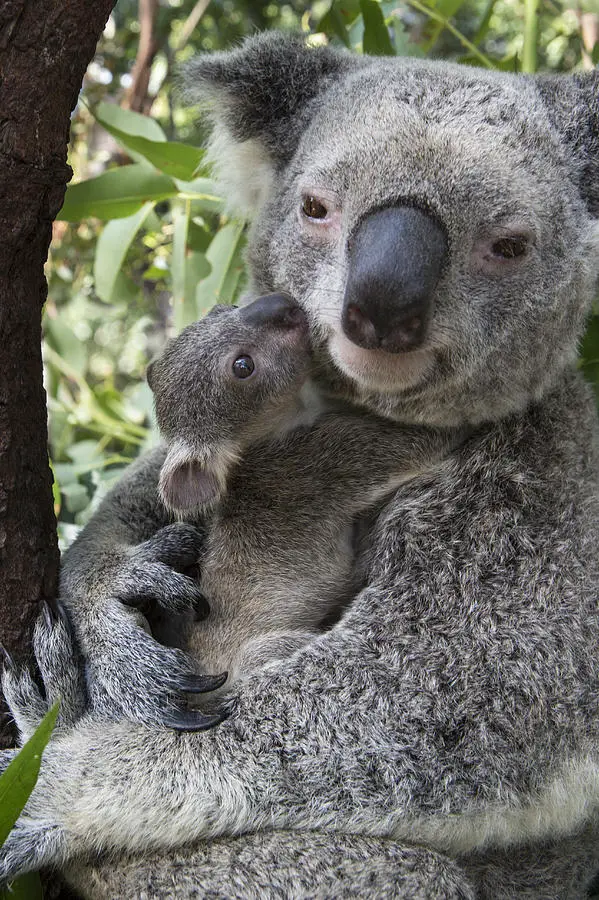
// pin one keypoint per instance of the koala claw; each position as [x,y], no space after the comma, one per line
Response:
[143,680]
[193,719]
[201,684]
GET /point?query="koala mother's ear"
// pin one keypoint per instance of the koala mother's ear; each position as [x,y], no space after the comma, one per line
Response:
[573,105]
[257,97]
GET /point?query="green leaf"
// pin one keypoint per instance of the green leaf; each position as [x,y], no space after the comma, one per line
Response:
[18,780]
[376,36]
[203,195]
[55,489]
[75,497]
[447,9]
[595,54]
[180,226]
[27,887]
[157,271]
[116,194]
[128,122]
[112,248]
[224,255]
[171,157]
[64,340]
[198,237]
[338,18]
[404,46]
[485,21]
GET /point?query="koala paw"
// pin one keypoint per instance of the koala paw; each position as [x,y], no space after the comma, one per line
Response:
[61,668]
[132,676]
[155,572]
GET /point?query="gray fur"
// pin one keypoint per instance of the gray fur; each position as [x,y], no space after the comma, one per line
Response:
[278,558]
[456,703]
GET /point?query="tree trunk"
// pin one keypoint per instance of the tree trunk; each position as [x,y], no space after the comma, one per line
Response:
[45,46]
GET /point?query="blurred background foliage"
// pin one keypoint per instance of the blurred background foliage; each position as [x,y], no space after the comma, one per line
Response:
[142,245]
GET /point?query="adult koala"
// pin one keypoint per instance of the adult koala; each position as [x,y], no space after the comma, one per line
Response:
[439,225]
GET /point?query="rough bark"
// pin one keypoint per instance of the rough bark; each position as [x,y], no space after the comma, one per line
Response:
[44,50]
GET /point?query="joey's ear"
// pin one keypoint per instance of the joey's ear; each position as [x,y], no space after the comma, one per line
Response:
[573,104]
[193,479]
[259,95]
[188,487]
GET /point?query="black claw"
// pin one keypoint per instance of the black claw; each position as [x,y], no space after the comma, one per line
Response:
[192,720]
[7,659]
[201,684]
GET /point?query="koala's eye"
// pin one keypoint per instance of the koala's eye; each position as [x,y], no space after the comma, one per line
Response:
[243,367]
[510,247]
[313,208]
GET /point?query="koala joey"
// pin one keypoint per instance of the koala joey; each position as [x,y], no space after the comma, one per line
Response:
[438,224]
[278,558]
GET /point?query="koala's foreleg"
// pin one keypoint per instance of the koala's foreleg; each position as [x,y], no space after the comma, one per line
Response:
[125,787]
[132,556]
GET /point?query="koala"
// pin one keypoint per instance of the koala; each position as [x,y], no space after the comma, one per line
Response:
[278,559]
[438,225]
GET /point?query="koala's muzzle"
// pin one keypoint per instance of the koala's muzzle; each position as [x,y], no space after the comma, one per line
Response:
[396,256]
[274,310]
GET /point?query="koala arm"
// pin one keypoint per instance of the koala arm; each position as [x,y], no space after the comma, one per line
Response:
[350,461]
[126,559]
[322,742]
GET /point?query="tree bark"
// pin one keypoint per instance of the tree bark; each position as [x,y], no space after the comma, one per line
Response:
[45,46]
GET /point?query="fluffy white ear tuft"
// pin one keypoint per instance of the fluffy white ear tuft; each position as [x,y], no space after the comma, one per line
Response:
[243,170]
[256,97]
[193,479]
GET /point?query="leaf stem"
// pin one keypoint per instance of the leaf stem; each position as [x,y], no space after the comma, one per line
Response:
[531,22]
[437,17]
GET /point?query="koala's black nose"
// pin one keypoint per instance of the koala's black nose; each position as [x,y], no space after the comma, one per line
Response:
[275,310]
[396,256]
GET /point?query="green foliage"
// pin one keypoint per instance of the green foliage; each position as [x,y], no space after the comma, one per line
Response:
[151,247]
[16,785]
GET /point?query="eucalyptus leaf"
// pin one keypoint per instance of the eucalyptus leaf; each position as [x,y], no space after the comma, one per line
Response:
[376,40]
[64,340]
[338,18]
[112,248]
[203,194]
[27,887]
[223,254]
[116,194]
[180,225]
[19,778]
[171,157]
[111,115]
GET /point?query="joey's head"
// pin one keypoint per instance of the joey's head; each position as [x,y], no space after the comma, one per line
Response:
[439,223]
[230,380]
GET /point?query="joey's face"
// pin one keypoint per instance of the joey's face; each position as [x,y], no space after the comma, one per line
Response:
[233,375]
[428,224]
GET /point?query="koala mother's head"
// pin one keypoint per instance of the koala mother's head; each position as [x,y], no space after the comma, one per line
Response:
[438,223]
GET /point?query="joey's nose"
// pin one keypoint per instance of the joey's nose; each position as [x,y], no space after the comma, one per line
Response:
[275,310]
[396,257]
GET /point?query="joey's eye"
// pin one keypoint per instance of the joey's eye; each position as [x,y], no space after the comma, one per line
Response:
[313,208]
[510,247]
[243,367]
